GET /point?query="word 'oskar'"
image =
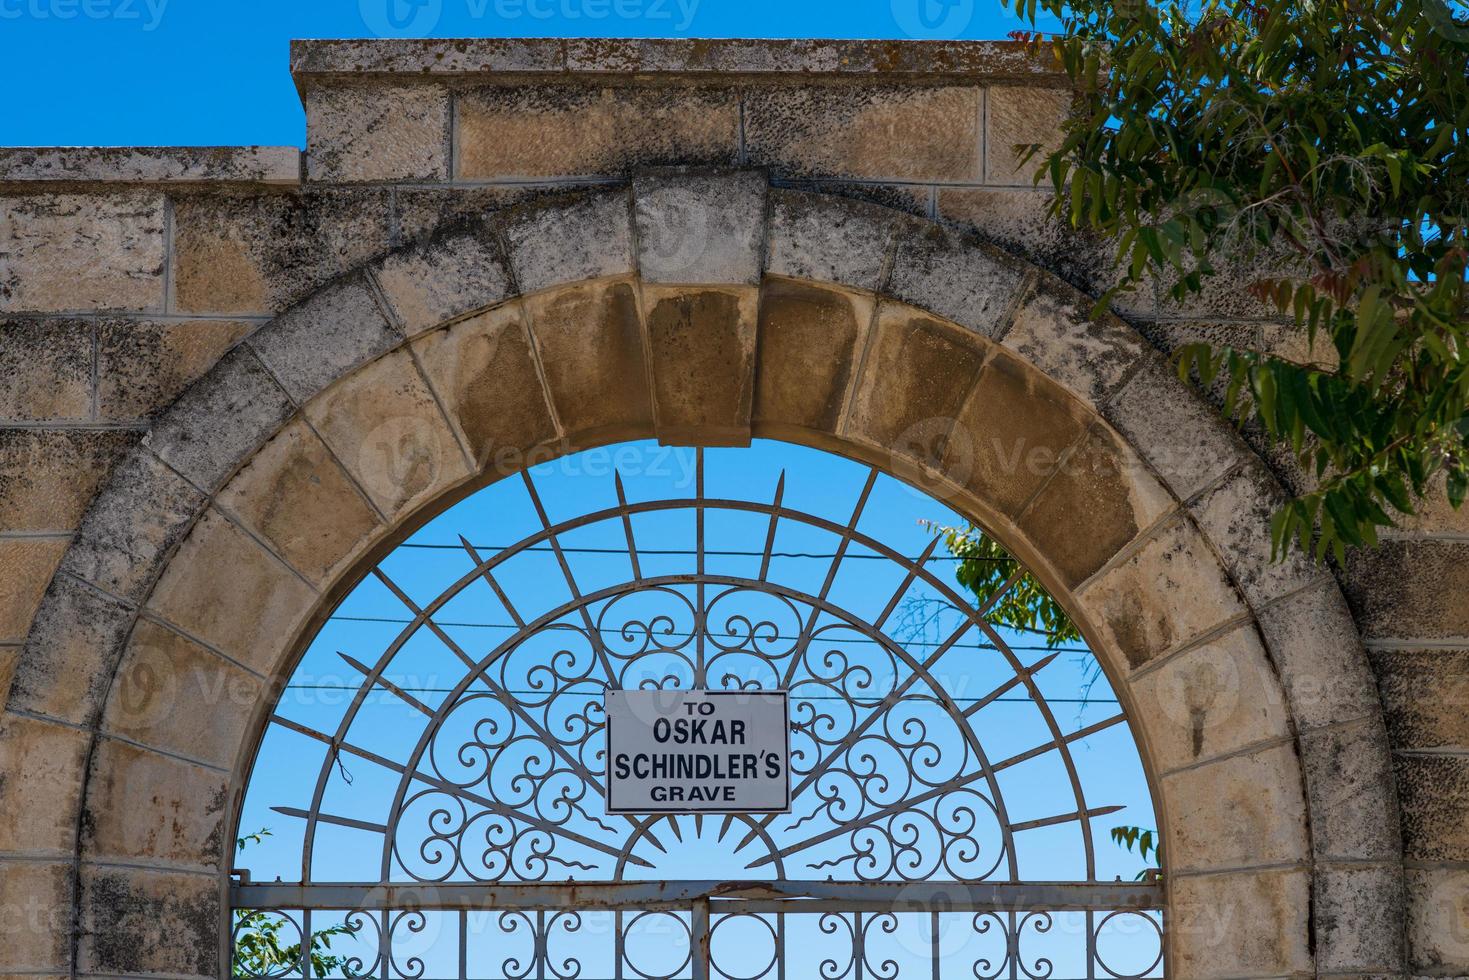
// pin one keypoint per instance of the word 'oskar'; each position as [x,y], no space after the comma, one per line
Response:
[698,752]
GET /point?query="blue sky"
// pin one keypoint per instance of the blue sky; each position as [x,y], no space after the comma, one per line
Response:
[215,72]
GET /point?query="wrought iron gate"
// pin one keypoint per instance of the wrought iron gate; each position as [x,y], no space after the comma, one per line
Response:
[902,856]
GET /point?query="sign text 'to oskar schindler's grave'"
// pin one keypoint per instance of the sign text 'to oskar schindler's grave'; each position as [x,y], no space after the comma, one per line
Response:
[698,752]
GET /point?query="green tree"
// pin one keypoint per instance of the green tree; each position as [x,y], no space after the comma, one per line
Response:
[1147,843]
[260,946]
[985,569]
[1325,142]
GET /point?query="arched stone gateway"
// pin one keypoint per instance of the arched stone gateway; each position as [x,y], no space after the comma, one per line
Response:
[699,308]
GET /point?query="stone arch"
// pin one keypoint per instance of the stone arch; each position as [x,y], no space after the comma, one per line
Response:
[687,306]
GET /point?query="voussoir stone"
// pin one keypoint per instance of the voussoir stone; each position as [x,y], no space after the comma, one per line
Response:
[211,428]
[1215,699]
[915,377]
[701,343]
[1349,784]
[1319,655]
[387,429]
[337,330]
[701,227]
[73,647]
[1167,593]
[1353,936]
[297,497]
[1055,331]
[1240,811]
[795,319]
[1183,439]
[265,601]
[37,934]
[143,806]
[145,509]
[586,236]
[1211,914]
[44,764]
[972,284]
[591,348]
[448,276]
[484,370]
[814,236]
[173,694]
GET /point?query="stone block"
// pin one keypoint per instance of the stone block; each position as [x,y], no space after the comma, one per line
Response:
[1315,646]
[444,278]
[1169,592]
[48,476]
[1017,118]
[143,365]
[172,694]
[44,767]
[971,284]
[76,252]
[257,254]
[702,348]
[892,132]
[590,339]
[331,334]
[36,898]
[295,496]
[144,510]
[1249,924]
[1210,701]
[1186,441]
[152,164]
[141,921]
[700,228]
[385,426]
[1236,516]
[47,367]
[1438,921]
[377,132]
[29,564]
[587,236]
[812,236]
[1237,812]
[144,807]
[1090,357]
[1012,434]
[213,427]
[485,372]
[75,640]
[1354,808]
[1433,791]
[791,387]
[915,377]
[560,130]
[1101,497]
[1353,935]
[1425,697]
[1410,589]
[226,590]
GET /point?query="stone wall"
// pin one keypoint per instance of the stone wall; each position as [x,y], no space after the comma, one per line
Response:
[126,275]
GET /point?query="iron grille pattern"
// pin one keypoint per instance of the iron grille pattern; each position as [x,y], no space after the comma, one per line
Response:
[500,788]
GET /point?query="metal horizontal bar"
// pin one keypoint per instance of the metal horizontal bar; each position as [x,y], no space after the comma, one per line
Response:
[748,896]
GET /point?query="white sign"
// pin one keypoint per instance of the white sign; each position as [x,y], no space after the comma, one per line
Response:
[698,752]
